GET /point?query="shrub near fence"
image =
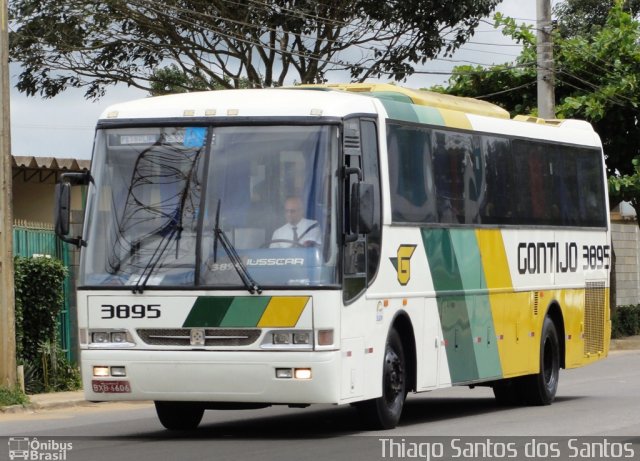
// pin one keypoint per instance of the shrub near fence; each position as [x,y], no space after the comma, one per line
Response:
[33,238]
[39,299]
[625,321]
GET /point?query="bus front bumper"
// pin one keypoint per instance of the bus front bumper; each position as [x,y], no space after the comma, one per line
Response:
[211,376]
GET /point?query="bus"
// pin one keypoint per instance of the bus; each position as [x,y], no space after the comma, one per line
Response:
[453,246]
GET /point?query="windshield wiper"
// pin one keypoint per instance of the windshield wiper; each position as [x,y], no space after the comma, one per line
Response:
[173,229]
[176,228]
[236,261]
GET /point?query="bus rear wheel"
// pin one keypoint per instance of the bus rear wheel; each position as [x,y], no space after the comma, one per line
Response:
[179,416]
[540,389]
[385,411]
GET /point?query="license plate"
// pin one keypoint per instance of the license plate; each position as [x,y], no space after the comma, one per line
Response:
[110,387]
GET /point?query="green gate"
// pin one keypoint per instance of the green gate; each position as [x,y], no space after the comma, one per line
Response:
[34,239]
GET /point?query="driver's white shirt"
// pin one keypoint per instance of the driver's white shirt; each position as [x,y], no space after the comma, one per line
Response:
[286,233]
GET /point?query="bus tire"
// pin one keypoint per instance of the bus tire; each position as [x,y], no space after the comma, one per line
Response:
[540,389]
[179,416]
[384,412]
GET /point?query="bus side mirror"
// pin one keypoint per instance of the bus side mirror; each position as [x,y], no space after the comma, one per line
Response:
[62,213]
[362,208]
[63,209]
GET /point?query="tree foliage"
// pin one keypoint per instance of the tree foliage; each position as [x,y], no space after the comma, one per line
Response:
[579,17]
[597,78]
[96,43]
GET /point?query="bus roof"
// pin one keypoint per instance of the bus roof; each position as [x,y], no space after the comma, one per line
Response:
[391,92]
[335,100]
[272,102]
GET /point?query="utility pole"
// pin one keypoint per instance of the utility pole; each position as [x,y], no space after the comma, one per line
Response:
[7,313]
[546,86]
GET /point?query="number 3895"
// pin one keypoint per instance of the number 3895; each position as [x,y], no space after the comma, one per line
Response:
[134,311]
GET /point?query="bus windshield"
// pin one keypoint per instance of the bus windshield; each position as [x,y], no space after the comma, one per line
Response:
[165,198]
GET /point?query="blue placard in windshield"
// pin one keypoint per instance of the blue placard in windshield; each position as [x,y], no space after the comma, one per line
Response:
[194,137]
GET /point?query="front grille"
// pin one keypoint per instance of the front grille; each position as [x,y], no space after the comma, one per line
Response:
[594,321]
[213,336]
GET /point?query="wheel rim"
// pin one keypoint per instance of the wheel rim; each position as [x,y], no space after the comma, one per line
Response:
[393,376]
[550,365]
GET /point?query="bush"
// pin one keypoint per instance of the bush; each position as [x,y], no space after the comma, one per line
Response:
[625,321]
[57,373]
[12,397]
[39,298]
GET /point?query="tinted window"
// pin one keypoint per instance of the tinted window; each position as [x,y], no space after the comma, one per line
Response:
[460,178]
[412,195]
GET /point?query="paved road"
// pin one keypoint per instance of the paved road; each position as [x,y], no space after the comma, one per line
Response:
[600,400]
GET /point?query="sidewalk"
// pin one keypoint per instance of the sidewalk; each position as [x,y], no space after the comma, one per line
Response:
[76,398]
[49,401]
[625,344]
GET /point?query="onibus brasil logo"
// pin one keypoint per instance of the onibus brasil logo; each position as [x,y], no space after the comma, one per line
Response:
[34,449]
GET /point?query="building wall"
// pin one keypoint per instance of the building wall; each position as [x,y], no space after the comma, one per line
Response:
[33,200]
[625,237]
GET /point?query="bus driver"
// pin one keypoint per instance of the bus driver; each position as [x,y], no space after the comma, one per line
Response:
[298,231]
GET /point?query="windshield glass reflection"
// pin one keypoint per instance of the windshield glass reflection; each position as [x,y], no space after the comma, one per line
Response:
[161,193]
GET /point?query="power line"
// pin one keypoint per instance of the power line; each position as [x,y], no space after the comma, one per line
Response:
[508,90]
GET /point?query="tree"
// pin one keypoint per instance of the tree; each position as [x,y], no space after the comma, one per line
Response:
[577,17]
[96,43]
[627,186]
[171,80]
[597,79]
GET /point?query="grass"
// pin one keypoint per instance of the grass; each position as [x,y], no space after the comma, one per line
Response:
[12,397]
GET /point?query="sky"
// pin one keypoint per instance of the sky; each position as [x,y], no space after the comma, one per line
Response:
[64,126]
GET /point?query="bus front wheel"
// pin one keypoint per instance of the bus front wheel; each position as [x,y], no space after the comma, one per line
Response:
[179,416]
[540,389]
[385,411]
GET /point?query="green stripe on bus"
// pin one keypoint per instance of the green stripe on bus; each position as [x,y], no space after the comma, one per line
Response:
[245,311]
[454,315]
[208,311]
[412,113]
[485,345]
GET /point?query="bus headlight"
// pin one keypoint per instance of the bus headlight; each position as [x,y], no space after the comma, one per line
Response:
[110,338]
[281,338]
[288,339]
[119,337]
[99,337]
[303,337]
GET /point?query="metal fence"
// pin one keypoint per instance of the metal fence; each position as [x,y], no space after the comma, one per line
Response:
[38,239]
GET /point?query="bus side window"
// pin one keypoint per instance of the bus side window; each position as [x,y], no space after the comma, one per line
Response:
[411,182]
[354,255]
[369,136]
[362,257]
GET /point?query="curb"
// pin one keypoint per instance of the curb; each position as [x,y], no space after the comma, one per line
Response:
[37,406]
[627,344]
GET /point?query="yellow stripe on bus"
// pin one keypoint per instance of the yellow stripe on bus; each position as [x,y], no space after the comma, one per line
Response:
[455,119]
[283,311]
[512,318]
[494,259]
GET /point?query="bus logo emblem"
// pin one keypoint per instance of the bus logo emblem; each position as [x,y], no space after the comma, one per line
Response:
[402,263]
[197,337]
